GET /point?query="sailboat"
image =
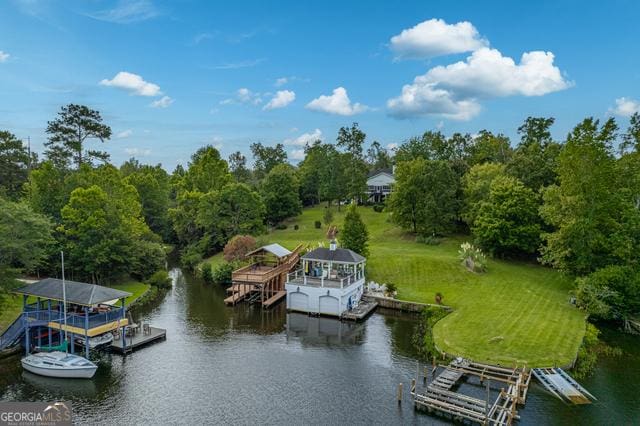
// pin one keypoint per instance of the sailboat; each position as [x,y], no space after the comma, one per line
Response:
[57,363]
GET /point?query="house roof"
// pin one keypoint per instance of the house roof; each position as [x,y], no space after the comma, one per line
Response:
[338,255]
[275,249]
[76,292]
[380,171]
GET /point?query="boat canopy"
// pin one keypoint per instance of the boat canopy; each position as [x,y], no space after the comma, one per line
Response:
[77,292]
[275,249]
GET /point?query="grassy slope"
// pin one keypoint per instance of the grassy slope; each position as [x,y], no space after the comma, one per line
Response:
[516,312]
[13,305]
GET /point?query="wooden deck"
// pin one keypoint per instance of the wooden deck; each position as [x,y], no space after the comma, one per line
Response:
[138,340]
[363,310]
[238,293]
[274,299]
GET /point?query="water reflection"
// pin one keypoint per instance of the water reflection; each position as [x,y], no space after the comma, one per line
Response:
[324,331]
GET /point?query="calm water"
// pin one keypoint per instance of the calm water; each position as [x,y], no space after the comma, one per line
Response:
[243,365]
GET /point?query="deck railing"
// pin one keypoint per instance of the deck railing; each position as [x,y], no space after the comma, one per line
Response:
[298,277]
[74,320]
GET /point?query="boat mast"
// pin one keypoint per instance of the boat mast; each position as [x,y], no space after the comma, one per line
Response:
[64,304]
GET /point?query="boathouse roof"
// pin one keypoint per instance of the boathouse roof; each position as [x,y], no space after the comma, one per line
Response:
[275,249]
[76,292]
[338,255]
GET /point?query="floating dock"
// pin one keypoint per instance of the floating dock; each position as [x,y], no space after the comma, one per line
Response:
[440,397]
[138,340]
[362,311]
[561,385]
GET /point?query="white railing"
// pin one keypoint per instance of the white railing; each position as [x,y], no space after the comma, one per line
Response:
[298,277]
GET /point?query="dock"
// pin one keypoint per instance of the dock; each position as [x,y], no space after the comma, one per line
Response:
[138,340]
[561,385]
[274,299]
[440,397]
[360,312]
[238,293]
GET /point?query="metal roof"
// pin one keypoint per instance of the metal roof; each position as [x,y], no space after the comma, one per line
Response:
[78,293]
[337,255]
[275,249]
[379,172]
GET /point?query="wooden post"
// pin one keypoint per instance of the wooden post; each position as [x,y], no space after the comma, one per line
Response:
[424,378]
[434,367]
[399,393]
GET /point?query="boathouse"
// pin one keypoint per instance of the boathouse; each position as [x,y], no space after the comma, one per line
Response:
[330,282]
[264,277]
[92,310]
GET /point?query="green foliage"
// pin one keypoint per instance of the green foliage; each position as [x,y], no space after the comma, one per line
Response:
[296,227]
[429,240]
[70,130]
[317,224]
[281,226]
[594,223]
[587,354]
[327,217]
[476,187]
[238,247]
[354,235]
[207,272]
[14,165]
[160,279]
[507,222]
[378,208]
[610,293]
[391,288]
[422,338]
[473,257]
[207,171]
[424,199]
[355,177]
[534,161]
[221,274]
[631,139]
[378,157]
[490,148]
[238,168]
[47,191]
[191,256]
[267,157]
[280,194]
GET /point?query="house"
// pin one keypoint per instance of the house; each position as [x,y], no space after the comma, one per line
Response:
[380,185]
[330,282]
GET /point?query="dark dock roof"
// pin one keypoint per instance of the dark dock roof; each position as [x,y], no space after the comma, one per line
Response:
[76,292]
[337,255]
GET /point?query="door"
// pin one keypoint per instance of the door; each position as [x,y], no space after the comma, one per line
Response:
[329,305]
[298,301]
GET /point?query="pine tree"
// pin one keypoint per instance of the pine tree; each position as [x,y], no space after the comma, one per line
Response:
[354,233]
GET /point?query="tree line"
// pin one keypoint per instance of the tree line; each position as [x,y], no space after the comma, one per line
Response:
[571,204]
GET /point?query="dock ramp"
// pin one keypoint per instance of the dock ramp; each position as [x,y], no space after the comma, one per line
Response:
[560,384]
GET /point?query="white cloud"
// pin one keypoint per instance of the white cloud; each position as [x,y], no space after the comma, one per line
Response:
[127,12]
[243,96]
[4,56]
[199,38]
[236,65]
[281,99]
[454,91]
[297,154]
[392,146]
[124,134]
[281,81]
[132,83]
[138,151]
[625,107]
[435,38]
[163,102]
[336,103]
[305,138]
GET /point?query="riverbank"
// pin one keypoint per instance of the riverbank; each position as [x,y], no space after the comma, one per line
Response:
[516,312]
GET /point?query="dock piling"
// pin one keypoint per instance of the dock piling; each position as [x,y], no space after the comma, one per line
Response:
[399,393]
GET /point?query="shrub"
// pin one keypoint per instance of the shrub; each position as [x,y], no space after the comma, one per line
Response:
[221,274]
[160,279]
[296,227]
[391,288]
[328,216]
[438,298]
[207,273]
[472,257]
[429,240]
[378,208]
[317,224]
[191,257]
[281,226]
[238,247]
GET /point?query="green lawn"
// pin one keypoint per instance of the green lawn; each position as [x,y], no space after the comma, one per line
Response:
[515,312]
[136,289]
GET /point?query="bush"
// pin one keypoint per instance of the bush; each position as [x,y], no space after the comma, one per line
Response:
[221,274]
[429,240]
[472,257]
[296,227]
[328,216]
[191,257]
[207,273]
[317,224]
[160,279]
[391,288]
[281,226]
[238,247]
[378,208]
[439,298]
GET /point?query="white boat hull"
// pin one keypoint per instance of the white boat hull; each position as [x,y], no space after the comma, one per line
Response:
[60,365]
[97,341]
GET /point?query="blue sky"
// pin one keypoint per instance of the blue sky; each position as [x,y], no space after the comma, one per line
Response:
[169,77]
